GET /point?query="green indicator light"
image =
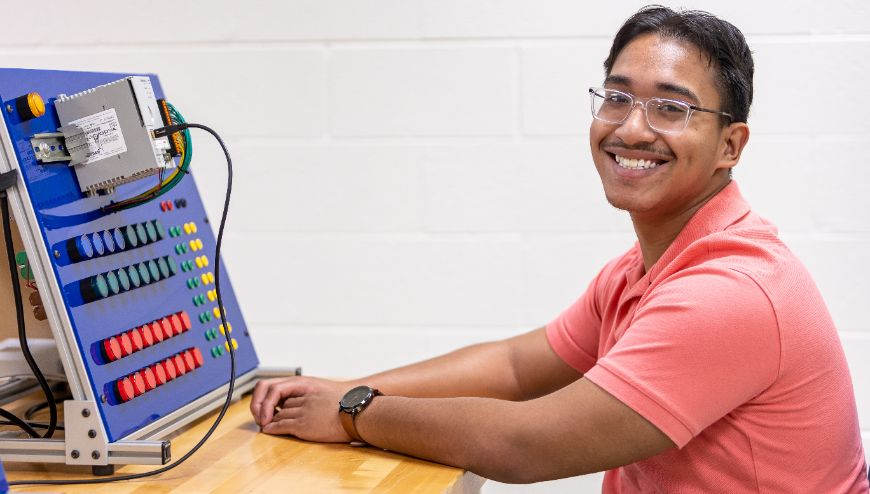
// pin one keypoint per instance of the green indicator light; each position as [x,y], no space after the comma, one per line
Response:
[179,249]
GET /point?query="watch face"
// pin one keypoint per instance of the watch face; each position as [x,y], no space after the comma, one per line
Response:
[356,396]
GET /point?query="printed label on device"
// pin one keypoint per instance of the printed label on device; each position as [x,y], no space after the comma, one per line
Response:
[94,137]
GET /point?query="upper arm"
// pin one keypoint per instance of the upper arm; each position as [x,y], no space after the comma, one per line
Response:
[536,368]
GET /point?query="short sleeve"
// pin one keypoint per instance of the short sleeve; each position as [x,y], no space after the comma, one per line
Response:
[574,335]
[700,345]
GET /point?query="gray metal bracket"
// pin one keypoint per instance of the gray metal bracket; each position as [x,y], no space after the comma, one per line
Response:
[84,437]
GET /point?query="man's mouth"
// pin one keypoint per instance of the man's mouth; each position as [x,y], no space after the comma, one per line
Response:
[637,164]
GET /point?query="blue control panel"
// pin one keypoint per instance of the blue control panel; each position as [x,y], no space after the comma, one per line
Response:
[138,285]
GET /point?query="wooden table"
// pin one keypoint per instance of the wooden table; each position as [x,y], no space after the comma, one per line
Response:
[238,458]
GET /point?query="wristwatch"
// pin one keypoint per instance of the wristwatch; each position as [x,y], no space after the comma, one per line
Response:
[351,405]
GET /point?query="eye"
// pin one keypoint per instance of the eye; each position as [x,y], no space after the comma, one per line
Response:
[671,107]
[616,98]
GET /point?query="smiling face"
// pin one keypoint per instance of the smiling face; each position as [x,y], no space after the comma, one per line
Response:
[656,175]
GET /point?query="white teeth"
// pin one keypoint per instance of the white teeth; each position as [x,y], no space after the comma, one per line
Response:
[634,164]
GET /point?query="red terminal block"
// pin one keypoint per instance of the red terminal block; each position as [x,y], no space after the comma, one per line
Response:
[189,362]
[159,374]
[156,331]
[126,344]
[146,335]
[125,389]
[169,368]
[138,383]
[166,326]
[112,349]
[185,320]
[149,378]
[136,339]
[180,366]
[197,356]
[177,326]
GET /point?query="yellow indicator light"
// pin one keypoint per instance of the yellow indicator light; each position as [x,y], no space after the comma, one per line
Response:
[193,227]
[36,105]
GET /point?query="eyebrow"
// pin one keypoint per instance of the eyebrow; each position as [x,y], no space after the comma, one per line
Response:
[660,86]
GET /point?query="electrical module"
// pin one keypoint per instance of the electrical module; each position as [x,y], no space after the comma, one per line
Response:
[124,267]
[107,130]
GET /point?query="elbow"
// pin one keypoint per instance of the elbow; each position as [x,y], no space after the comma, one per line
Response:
[513,459]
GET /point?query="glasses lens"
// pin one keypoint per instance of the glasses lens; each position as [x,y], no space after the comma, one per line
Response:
[609,105]
[667,115]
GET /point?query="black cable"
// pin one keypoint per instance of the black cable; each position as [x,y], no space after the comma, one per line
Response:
[19,316]
[232,382]
[35,425]
[14,420]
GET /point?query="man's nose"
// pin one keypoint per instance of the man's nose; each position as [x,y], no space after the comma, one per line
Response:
[636,128]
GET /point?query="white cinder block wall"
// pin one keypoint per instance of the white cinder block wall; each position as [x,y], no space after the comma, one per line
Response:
[414,175]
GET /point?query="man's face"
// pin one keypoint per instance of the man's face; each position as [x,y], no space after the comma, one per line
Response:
[688,166]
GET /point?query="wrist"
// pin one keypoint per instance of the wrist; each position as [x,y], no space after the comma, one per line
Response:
[351,406]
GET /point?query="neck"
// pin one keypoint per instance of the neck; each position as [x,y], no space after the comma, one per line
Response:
[655,233]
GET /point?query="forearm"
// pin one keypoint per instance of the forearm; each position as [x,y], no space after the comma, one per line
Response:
[476,370]
[431,428]
[577,430]
[518,368]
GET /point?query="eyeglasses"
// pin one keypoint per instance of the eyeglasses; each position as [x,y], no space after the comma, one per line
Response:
[667,116]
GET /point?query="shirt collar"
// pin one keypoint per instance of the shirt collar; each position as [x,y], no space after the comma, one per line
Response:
[721,211]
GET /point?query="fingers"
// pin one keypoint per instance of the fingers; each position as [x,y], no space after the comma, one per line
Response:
[268,394]
[260,391]
[284,426]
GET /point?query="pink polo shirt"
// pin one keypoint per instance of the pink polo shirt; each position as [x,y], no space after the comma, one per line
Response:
[727,347]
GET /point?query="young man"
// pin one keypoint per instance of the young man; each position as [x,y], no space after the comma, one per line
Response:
[701,360]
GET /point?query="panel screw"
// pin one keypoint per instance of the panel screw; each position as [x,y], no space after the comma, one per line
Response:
[74,454]
[95,455]
[9,108]
[57,254]
[86,412]
[103,398]
[92,433]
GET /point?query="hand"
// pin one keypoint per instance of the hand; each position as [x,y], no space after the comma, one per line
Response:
[305,407]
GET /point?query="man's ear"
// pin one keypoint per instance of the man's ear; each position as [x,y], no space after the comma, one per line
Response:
[733,139]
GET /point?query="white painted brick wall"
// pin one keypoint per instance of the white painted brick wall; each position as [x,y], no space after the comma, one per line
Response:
[414,175]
